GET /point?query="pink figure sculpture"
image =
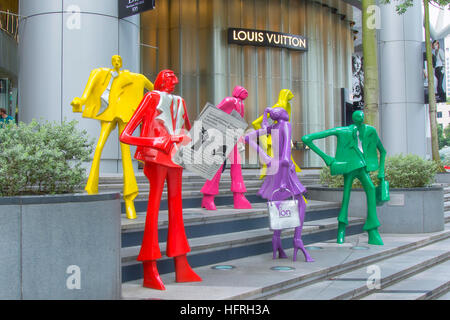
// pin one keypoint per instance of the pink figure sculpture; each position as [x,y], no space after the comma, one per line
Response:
[280,175]
[211,187]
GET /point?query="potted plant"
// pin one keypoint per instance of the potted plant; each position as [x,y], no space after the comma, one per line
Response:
[416,206]
[54,243]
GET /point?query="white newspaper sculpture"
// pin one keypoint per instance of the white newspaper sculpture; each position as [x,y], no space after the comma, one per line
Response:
[213,137]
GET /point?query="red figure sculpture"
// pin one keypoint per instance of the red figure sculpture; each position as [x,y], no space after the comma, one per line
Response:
[164,123]
[211,187]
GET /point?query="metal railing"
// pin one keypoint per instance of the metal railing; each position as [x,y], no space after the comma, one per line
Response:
[9,23]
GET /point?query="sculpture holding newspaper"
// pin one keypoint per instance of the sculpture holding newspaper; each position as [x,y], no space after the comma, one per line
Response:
[111,96]
[211,187]
[281,180]
[164,121]
[356,156]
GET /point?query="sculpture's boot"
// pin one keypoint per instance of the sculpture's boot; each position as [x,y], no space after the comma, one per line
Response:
[341,233]
[277,246]
[240,202]
[374,237]
[151,276]
[208,202]
[129,206]
[183,270]
[298,244]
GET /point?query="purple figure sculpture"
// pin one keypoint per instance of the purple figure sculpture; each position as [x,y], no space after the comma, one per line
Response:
[211,187]
[281,180]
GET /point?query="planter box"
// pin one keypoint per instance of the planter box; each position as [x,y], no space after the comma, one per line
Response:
[410,211]
[443,177]
[60,247]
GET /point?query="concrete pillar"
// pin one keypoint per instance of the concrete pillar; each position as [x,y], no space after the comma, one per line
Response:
[61,41]
[403,114]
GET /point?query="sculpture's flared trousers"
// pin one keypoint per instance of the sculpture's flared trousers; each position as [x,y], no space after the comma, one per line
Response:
[211,187]
[362,175]
[177,243]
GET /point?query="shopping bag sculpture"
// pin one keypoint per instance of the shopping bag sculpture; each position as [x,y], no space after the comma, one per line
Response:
[111,96]
[211,187]
[281,180]
[356,156]
[165,122]
[266,141]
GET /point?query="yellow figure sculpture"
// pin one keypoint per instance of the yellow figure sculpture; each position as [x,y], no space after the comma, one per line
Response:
[266,141]
[111,96]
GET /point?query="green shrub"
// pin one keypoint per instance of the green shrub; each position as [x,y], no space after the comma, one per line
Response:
[42,158]
[401,171]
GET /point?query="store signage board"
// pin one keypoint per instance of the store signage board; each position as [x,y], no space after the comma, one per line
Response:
[262,38]
[129,8]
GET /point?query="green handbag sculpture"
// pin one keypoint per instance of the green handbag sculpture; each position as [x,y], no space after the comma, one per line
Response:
[382,192]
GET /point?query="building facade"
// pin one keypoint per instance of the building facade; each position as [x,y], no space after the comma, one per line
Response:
[62,41]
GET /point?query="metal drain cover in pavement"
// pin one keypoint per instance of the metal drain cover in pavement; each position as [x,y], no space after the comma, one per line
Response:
[282,268]
[313,248]
[223,267]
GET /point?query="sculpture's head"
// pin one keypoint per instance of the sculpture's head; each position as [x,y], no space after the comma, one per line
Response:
[166,81]
[358,117]
[278,114]
[116,61]
[285,96]
[240,92]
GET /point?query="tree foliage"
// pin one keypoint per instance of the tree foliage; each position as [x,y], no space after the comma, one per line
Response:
[403,5]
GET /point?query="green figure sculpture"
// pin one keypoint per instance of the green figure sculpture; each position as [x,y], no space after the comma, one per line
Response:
[356,156]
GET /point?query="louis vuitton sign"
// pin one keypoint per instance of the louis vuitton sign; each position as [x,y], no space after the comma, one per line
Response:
[267,39]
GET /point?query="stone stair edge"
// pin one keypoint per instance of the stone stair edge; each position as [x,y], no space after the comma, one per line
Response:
[204,216]
[222,241]
[310,278]
[351,266]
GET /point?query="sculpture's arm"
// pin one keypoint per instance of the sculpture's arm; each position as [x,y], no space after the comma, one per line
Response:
[148,84]
[187,122]
[78,103]
[285,152]
[251,137]
[309,138]
[227,105]
[382,159]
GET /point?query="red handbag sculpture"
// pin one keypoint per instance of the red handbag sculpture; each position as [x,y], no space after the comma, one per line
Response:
[164,123]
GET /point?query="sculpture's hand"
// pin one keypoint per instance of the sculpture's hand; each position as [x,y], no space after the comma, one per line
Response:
[329,161]
[182,138]
[77,105]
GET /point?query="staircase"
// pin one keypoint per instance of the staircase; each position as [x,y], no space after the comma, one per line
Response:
[231,250]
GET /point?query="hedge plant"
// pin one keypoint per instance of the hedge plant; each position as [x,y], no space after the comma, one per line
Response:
[42,158]
[402,171]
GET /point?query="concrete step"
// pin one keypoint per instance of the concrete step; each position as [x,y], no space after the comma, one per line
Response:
[259,276]
[425,285]
[353,285]
[214,236]
[445,296]
[237,239]
[446,205]
[248,175]
[194,185]
[447,216]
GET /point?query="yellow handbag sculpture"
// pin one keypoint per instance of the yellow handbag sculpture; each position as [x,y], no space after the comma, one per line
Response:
[111,96]
[266,141]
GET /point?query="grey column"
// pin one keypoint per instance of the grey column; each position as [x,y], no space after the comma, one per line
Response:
[403,115]
[60,43]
